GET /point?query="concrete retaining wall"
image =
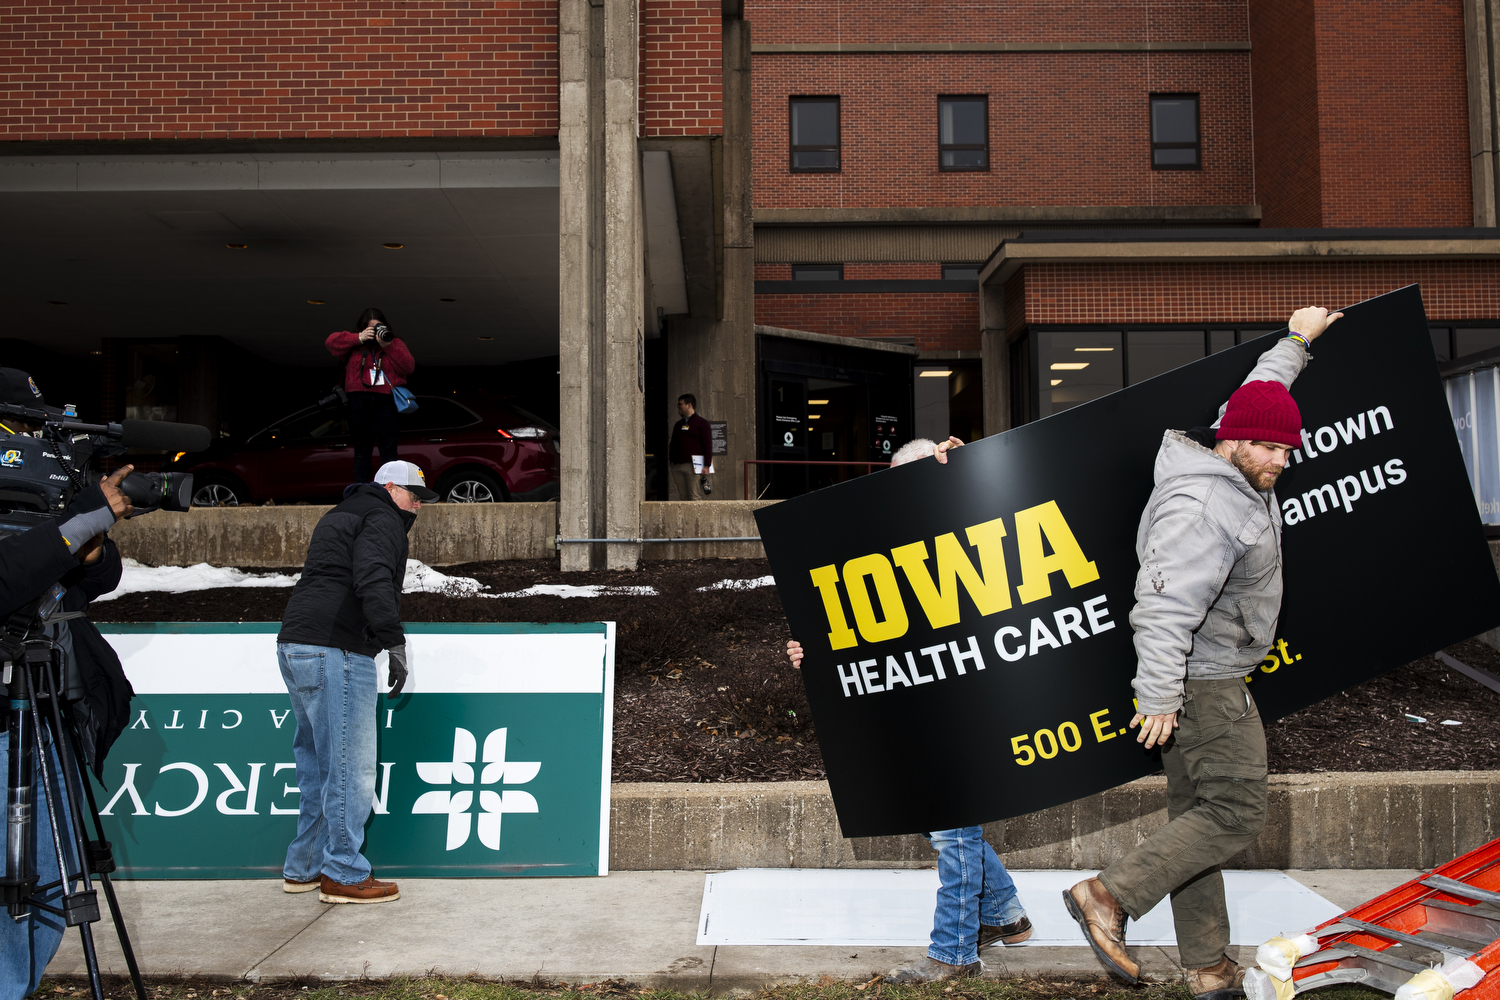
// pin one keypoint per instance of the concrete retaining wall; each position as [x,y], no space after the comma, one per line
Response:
[1395,819]
[445,534]
[702,519]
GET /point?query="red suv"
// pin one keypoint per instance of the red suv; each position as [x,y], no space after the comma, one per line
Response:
[506,454]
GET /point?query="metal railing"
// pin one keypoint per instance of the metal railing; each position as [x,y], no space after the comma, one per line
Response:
[792,461]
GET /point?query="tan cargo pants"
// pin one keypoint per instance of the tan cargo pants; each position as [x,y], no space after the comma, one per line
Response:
[1216,806]
[689,483]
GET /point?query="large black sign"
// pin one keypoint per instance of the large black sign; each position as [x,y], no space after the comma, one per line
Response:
[969,654]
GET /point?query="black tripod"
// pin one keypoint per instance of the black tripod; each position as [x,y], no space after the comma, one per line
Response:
[44,744]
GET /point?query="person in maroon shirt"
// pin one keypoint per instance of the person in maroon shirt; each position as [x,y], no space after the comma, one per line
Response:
[691,436]
[375,361]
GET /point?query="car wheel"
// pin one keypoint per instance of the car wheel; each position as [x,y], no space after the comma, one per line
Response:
[215,491]
[473,486]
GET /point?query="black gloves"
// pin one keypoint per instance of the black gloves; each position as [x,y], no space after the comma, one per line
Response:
[397,670]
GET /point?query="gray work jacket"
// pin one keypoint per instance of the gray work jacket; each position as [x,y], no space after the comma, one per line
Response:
[1208,593]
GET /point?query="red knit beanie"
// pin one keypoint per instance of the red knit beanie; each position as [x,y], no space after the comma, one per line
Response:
[1262,411]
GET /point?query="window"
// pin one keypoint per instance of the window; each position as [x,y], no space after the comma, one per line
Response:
[1154,352]
[817,272]
[960,272]
[963,133]
[320,424]
[436,413]
[1442,342]
[815,134]
[1466,342]
[1175,141]
[1220,340]
[1078,367]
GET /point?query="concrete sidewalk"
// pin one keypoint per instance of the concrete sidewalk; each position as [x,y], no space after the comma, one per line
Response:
[636,926]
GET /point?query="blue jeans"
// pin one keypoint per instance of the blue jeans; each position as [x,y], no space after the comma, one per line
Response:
[27,945]
[976,889]
[333,695]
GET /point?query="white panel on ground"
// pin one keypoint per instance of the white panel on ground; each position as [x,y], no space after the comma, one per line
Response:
[866,907]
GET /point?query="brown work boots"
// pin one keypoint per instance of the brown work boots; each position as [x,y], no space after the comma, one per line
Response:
[1223,981]
[1103,923]
[368,891]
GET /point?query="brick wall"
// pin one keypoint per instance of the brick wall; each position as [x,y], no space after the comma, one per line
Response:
[1245,293]
[1284,68]
[855,21]
[682,89]
[285,69]
[1393,113]
[940,321]
[1065,128]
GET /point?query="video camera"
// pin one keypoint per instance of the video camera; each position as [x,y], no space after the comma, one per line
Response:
[40,476]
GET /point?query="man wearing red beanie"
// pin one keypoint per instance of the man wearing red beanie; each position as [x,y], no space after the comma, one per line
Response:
[1207,599]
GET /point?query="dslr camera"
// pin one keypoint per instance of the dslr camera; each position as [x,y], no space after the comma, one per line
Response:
[383,332]
[40,475]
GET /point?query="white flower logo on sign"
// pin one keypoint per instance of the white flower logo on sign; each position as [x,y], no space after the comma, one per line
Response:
[492,804]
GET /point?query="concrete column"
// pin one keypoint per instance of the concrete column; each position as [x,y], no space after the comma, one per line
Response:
[1482,48]
[623,379]
[995,367]
[711,352]
[600,255]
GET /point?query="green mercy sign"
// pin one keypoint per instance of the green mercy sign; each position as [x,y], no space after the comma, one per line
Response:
[495,760]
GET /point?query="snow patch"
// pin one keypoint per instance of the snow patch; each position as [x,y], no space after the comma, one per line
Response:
[572,590]
[760,581]
[138,579]
[423,579]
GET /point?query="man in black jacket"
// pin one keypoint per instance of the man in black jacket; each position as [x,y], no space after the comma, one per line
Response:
[344,610]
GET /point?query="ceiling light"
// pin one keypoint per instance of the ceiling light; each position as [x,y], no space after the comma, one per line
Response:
[315,302]
[393,246]
[935,373]
[1057,381]
[486,338]
[815,416]
[96,352]
[1068,366]
[817,402]
[1093,348]
[54,302]
[237,246]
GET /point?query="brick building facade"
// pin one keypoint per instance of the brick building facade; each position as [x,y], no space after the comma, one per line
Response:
[194,190]
[1309,120]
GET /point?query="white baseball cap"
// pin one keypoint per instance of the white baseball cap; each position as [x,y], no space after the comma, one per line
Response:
[408,475]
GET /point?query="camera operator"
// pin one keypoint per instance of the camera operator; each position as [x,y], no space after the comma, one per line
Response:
[375,361]
[78,555]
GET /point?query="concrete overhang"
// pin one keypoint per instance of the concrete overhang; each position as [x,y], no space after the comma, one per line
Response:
[989,215]
[1243,246]
[145,246]
[862,343]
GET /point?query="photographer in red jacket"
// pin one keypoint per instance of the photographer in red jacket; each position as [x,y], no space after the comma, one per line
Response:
[375,361]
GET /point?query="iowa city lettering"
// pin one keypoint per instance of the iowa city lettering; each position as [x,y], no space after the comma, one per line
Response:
[934,574]
[190,784]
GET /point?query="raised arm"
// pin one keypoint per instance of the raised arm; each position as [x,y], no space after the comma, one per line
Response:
[1287,357]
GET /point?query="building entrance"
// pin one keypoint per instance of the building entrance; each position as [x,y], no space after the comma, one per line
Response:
[831,410]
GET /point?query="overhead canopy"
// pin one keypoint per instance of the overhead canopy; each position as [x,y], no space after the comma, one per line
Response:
[146,246]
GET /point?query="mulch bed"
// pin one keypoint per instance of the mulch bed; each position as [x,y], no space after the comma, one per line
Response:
[703,691]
